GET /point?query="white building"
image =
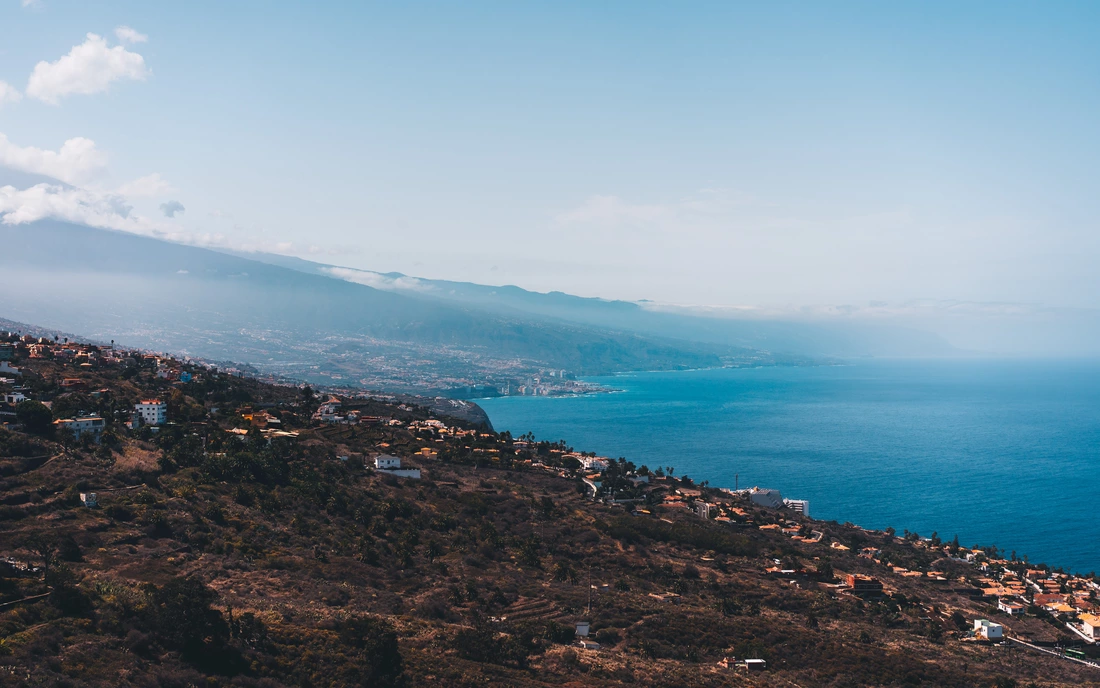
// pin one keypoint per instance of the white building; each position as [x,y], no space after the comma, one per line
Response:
[769,498]
[8,368]
[987,630]
[705,509]
[594,463]
[89,499]
[151,412]
[1090,626]
[391,465]
[1011,608]
[801,506]
[386,462]
[14,397]
[82,426]
[582,629]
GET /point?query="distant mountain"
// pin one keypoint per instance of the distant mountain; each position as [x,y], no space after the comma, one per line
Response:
[156,294]
[781,337]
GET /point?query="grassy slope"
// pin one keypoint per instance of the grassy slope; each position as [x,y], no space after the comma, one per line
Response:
[307,554]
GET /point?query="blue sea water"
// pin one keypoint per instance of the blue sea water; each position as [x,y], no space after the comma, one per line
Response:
[1003,453]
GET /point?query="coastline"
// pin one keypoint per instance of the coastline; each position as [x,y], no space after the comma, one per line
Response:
[868,474]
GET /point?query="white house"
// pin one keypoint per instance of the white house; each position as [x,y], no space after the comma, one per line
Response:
[391,465]
[151,412]
[987,630]
[386,462]
[1011,608]
[82,426]
[1090,626]
[14,397]
[705,509]
[594,463]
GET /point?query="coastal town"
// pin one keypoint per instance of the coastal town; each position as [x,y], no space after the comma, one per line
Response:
[975,596]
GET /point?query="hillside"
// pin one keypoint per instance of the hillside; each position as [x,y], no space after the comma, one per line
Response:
[165,296]
[791,337]
[250,542]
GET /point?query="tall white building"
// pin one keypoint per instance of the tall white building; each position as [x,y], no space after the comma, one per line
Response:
[801,506]
[151,412]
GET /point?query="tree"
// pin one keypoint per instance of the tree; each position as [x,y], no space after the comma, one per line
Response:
[36,417]
[45,547]
[183,617]
[529,551]
[380,663]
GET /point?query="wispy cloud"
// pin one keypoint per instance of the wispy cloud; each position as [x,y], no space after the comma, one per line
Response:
[88,68]
[128,35]
[149,186]
[379,280]
[871,310]
[9,94]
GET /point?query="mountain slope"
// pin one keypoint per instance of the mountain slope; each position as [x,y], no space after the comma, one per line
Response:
[112,285]
[795,337]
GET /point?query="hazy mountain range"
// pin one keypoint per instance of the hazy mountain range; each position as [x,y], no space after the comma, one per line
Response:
[341,326]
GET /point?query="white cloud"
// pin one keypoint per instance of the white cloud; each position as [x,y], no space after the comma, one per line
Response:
[172,208]
[380,281]
[149,186]
[30,3]
[82,206]
[9,94]
[128,35]
[89,68]
[78,159]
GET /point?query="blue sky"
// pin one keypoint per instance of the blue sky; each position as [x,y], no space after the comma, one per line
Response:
[780,154]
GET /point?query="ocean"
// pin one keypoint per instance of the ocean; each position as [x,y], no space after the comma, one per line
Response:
[1003,453]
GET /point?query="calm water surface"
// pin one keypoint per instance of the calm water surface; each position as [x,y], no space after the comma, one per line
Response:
[1004,453]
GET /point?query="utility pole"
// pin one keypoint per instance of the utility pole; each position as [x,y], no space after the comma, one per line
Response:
[590,589]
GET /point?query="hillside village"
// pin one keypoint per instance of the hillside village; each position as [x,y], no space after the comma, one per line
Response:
[169,523]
